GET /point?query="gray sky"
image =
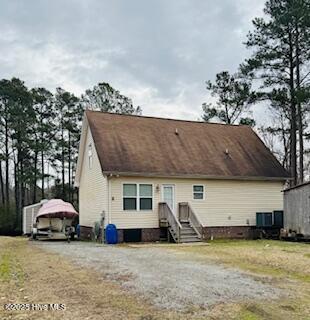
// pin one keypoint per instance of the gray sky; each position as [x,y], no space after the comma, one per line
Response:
[158,52]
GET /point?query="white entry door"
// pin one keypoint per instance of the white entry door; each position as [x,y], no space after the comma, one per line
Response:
[168,195]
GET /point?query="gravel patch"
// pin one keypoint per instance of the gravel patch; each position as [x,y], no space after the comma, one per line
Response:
[170,280]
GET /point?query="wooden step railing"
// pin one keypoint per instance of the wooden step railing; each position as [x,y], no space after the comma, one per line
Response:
[166,215]
[186,213]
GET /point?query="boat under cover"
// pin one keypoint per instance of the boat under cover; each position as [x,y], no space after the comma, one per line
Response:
[57,208]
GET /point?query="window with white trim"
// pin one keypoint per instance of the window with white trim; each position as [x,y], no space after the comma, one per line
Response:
[129,196]
[198,192]
[137,196]
[146,197]
[90,156]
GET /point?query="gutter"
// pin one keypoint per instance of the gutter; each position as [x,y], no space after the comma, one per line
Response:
[297,186]
[193,176]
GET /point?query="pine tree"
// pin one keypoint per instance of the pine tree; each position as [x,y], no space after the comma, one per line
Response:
[280,62]
[43,134]
[18,117]
[5,99]
[37,127]
[105,98]
[68,112]
[73,125]
[233,99]
[2,182]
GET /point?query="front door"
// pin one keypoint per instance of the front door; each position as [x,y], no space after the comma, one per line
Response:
[168,195]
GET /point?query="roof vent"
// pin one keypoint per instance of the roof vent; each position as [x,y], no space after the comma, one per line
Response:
[176,131]
[226,151]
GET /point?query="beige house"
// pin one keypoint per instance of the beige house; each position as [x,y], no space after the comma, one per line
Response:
[154,177]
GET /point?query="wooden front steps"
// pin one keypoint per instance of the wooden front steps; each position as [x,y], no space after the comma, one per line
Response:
[187,234]
[184,228]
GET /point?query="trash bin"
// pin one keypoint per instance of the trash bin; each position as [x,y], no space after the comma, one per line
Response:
[111,234]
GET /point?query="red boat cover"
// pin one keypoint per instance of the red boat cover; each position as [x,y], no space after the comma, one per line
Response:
[57,208]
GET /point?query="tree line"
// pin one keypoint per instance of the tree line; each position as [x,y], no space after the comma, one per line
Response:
[278,74]
[40,130]
[39,139]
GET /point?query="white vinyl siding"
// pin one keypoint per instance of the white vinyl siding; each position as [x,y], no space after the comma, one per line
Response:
[228,202]
[93,189]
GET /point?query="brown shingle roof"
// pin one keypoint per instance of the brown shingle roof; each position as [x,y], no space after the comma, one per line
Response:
[163,147]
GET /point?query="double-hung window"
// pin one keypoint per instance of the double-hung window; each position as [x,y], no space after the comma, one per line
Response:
[129,196]
[146,196]
[137,196]
[198,192]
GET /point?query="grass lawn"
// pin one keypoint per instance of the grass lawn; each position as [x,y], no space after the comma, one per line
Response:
[28,274]
[283,264]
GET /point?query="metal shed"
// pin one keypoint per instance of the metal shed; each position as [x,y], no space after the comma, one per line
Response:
[29,213]
[297,210]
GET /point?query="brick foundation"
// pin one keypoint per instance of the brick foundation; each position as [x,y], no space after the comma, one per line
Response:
[120,235]
[147,234]
[242,232]
[153,234]
[150,234]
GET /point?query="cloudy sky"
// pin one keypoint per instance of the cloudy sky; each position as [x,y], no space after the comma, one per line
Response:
[158,52]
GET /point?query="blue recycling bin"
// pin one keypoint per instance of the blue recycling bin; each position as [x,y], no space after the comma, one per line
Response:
[111,234]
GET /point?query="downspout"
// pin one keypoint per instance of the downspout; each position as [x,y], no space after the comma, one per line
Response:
[109,199]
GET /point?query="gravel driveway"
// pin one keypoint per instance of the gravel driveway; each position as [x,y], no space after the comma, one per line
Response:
[170,280]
